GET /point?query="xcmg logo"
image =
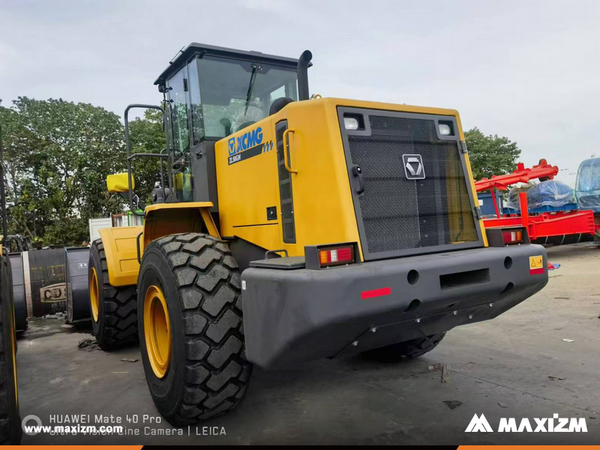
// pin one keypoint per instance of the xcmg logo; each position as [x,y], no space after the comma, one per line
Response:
[552,424]
[245,141]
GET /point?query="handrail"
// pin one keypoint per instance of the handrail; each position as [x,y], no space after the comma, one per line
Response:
[128,147]
[150,155]
[286,149]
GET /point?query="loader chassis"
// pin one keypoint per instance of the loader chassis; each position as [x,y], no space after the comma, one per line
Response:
[267,190]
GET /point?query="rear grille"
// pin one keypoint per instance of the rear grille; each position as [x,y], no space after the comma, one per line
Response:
[399,214]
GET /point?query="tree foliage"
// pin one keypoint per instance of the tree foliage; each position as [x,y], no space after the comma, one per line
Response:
[491,155]
[57,155]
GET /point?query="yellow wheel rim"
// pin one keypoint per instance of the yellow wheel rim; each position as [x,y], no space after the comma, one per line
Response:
[94,294]
[157,331]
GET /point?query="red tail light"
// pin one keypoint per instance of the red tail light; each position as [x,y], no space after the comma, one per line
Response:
[512,237]
[501,237]
[334,256]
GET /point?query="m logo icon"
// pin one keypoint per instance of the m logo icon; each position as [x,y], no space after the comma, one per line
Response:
[479,424]
[413,167]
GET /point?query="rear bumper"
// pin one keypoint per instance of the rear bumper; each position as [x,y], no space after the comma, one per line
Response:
[291,316]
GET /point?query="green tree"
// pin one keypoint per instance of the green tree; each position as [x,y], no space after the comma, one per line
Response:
[23,158]
[59,154]
[491,155]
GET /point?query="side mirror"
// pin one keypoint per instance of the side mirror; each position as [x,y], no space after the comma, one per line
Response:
[119,183]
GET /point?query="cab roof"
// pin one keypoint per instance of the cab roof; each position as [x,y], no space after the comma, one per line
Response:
[202,49]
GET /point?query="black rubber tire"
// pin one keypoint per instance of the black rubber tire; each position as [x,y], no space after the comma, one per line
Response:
[19,301]
[117,324]
[10,419]
[208,373]
[404,351]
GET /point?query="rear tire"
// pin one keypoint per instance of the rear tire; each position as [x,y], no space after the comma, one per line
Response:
[10,420]
[114,316]
[207,372]
[404,351]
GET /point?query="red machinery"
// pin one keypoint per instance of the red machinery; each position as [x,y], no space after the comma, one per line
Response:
[521,175]
[560,227]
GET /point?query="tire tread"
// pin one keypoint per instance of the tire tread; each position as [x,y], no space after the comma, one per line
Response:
[120,309]
[216,370]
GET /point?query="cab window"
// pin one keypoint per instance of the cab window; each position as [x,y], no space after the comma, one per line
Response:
[179,111]
[235,94]
[195,103]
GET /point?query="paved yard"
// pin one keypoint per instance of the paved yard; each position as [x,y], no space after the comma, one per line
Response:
[514,366]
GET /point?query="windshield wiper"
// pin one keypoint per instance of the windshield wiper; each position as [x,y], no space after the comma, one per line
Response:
[250,87]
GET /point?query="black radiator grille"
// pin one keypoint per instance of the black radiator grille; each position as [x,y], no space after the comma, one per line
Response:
[399,214]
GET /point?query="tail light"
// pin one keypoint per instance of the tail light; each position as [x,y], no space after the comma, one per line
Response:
[335,256]
[321,256]
[512,237]
[501,237]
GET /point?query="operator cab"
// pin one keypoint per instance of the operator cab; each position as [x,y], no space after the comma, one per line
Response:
[212,92]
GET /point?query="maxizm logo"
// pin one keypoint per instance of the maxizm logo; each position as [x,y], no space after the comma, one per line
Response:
[552,424]
[245,141]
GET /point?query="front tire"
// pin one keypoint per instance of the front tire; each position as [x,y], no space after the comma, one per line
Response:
[404,351]
[113,309]
[191,332]
[10,419]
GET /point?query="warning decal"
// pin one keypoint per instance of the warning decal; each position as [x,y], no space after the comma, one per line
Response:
[536,265]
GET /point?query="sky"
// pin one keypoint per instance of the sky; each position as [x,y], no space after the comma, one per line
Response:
[528,70]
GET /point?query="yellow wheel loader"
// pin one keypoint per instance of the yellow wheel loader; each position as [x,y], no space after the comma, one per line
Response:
[289,228]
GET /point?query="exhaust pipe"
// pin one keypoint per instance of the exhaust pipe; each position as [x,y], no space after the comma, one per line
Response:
[303,63]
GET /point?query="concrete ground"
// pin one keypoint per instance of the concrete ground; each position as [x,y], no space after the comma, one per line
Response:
[517,365]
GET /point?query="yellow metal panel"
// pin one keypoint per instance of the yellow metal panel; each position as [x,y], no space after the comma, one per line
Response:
[163,219]
[247,188]
[119,183]
[265,236]
[323,204]
[211,226]
[180,205]
[322,198]
[120,248]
